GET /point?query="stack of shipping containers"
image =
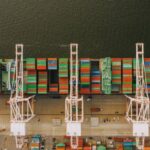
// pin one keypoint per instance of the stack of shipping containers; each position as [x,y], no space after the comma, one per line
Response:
[0,75]
[4,75]
[42,82]
[95,77]
[134,76]
[147,71]
[116,75]
[127,76]
[63,76]
[41,64]
[31,75]
[106,75]
[52,75]
[42,75]
[85,68]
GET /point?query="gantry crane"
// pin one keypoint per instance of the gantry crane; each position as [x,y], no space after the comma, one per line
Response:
[138,109]
[74,103]
[21,108]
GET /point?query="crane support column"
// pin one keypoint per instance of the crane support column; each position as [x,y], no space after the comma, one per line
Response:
[74,103]
[21,110]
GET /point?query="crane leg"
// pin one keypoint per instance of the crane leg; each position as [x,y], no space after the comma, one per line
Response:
[140,142]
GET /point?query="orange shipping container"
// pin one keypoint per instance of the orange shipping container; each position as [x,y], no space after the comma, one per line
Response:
[87,148]
[60,148]
[120,147]
[116,71]
[127,71]
[35,144]
[116,59]
[147,59]
[69,148]
[127,86]
[127,79]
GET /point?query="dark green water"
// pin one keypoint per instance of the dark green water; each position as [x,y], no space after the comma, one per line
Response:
[101,27]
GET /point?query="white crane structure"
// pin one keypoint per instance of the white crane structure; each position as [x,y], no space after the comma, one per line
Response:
[21,109]
[138,112]
[74,108]
[10,68]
